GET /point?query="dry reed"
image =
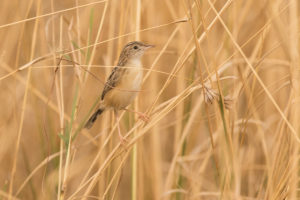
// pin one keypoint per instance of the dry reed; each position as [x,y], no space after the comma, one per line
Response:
[221,89]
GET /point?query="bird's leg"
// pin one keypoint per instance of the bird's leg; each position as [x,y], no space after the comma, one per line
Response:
[141,115]
[122,139]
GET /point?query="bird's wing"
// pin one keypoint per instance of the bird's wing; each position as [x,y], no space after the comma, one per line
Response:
[113,80]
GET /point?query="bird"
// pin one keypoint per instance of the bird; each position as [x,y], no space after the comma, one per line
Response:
[123,83]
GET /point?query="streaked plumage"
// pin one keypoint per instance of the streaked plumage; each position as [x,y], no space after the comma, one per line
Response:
[123,83]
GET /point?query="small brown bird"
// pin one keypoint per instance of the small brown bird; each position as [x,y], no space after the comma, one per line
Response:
[123,83]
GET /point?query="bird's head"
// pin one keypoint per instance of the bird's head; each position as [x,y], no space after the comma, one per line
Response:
[135,49]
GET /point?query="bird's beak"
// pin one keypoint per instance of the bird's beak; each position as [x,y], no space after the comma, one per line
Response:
[149,46]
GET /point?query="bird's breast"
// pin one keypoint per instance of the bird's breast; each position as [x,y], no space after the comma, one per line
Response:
[128,88]
[133,75]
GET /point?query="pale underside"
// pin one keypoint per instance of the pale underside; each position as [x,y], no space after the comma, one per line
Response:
[127,88]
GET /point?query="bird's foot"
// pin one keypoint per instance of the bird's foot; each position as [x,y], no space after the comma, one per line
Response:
[123,140]
[144,117]
[141,115]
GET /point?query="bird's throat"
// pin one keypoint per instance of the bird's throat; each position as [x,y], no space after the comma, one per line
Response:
[134,62]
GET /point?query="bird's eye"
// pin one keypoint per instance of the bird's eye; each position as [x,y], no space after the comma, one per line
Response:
[135,47]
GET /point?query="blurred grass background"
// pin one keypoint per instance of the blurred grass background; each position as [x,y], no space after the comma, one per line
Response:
[246,51]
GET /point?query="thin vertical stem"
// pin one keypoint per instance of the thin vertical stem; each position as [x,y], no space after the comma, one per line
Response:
[135,146]
[33,46]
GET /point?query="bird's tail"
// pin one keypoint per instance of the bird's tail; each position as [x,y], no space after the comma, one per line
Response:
[93,118]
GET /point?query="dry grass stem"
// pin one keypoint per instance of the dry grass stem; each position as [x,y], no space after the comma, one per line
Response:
[220,89]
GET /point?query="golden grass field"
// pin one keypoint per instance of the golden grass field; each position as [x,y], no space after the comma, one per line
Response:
[235,138]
